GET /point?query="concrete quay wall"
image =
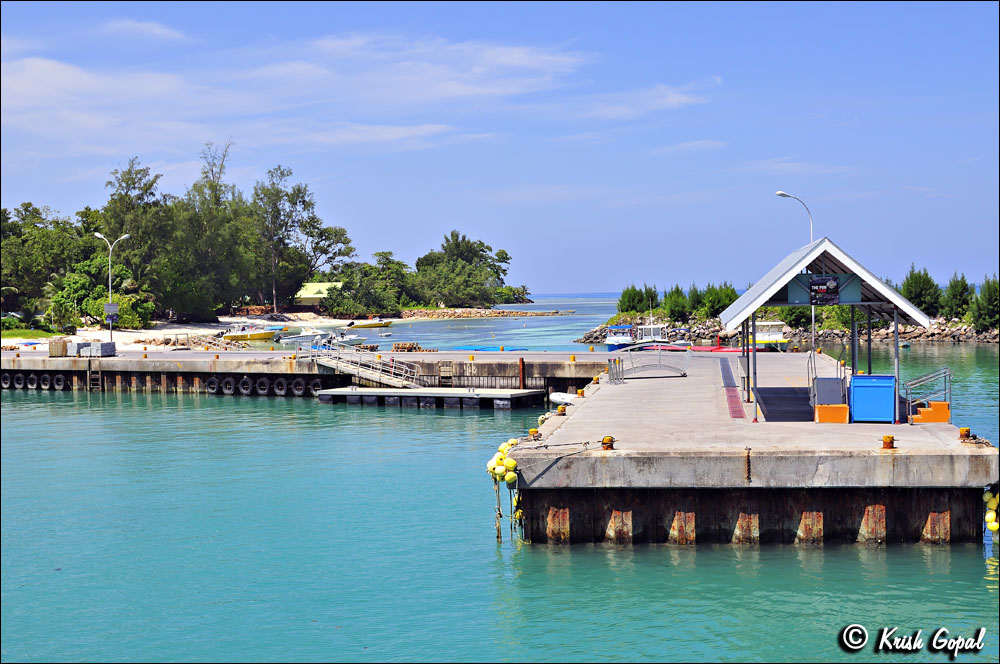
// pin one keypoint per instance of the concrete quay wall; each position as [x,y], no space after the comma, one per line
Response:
[753,516]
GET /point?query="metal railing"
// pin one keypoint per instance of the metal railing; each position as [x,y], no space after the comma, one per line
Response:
[364,364]
[936,385]
[616,368]
[641,358]
[812,373]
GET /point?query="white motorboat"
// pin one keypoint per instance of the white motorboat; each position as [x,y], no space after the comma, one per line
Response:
[305,334]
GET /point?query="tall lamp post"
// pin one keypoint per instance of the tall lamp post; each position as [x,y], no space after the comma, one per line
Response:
[787,195]
[111,248]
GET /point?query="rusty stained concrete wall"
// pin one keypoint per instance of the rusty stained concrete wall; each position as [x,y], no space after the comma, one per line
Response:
[752,516]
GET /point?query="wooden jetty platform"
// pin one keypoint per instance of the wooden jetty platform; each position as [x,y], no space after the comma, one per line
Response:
[689,464]
[435,397]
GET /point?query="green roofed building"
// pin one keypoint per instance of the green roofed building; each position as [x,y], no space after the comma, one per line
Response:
[312,295]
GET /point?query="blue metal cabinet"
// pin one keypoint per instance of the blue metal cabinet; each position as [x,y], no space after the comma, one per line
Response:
[871,398]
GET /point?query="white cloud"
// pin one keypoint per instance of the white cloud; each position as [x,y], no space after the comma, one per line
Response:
[787,166]
[11,46]
[634,103]
[144,29]
[690,146]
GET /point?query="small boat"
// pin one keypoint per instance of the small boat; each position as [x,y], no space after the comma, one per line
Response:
[626,336]
[346,339]
[619,336]
[305,334]
[249,333]
[770,336]
[562,398]
[372,322]
[385,334]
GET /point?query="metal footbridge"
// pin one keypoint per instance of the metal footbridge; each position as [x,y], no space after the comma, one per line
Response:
[365,365]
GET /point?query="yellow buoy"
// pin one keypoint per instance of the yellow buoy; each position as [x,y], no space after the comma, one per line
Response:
[993,525]
[991,516]
[510,479]
[987,496]
[512,442]
[500,471]
[992,504]
[503,448]
[510,464]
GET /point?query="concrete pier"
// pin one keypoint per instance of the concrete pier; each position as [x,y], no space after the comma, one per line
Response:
[281,373]
[690,465]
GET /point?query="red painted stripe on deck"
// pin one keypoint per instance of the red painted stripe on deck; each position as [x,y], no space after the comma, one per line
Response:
[734,403]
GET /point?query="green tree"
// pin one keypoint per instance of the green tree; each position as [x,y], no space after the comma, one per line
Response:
[922,291]
[694,298]
[675,302]
[957,297]
[985,308]
[634,299]
[715,299]
[294,239]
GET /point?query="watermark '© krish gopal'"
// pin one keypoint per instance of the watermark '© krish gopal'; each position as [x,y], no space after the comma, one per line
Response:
[854,638]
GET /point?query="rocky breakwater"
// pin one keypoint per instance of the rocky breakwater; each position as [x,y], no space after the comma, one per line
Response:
[704,331]
[473,313]
[940,330]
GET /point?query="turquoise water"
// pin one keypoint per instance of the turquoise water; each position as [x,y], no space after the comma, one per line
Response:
[151,527]
[528,332]
[186,527]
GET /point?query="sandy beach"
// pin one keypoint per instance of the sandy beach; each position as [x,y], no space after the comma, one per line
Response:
[136,339]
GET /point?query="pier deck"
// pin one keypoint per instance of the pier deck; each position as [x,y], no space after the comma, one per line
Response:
[680,448]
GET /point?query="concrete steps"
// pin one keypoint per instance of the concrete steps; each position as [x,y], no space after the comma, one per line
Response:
[936,411]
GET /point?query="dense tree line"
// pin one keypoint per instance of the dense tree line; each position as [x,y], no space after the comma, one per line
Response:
[462,273]
[214,248]
[958,301]
[677,305]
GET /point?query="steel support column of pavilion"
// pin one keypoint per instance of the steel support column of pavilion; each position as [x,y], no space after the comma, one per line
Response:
[895,361]
[854,343]
[756,394]
[869,310]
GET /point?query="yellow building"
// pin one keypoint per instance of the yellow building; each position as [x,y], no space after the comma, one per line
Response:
[312,295]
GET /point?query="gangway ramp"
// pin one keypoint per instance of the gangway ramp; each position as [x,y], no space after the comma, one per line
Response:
[364,365]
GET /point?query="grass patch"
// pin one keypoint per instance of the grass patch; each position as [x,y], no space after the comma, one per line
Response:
[27,334]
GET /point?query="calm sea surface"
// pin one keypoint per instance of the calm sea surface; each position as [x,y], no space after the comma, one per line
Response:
[183,527]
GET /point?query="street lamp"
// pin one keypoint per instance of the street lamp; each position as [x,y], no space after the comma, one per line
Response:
[787,195]
[111,248]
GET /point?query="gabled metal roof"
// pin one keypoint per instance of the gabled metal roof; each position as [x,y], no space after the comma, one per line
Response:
[823,256]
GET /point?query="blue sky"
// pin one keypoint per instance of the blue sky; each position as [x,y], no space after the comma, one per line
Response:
[600,144]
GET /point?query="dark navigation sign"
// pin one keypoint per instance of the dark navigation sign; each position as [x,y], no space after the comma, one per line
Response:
[824,290]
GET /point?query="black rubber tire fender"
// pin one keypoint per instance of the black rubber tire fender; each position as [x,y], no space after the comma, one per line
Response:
[44,382]
[315,385]
[245,386]
[263,386]
[280,386]
[212,385]
[228,385]
[59,382]
[31,382]
[5,380]
[18,382]
[298,386]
